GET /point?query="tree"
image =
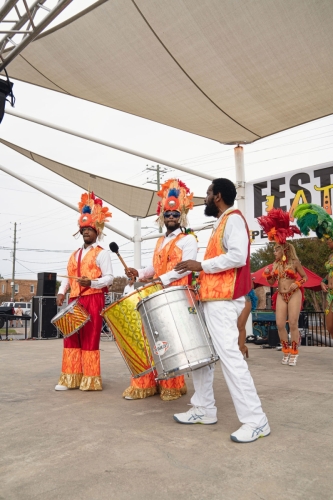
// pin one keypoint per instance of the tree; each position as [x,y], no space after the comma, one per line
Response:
[311,252]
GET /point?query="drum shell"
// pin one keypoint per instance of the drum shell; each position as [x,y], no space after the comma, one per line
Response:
[71,319]
[125,323]
[175,314]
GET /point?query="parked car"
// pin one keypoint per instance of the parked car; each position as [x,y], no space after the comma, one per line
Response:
[26,306]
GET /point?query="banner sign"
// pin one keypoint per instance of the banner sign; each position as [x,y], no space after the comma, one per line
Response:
[286,191]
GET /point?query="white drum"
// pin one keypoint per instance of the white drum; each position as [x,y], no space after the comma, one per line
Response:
[176,331]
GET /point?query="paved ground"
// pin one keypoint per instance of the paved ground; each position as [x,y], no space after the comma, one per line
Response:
[77,445]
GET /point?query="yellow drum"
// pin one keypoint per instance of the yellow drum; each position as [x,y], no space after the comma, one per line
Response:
[125,323]
[70,319]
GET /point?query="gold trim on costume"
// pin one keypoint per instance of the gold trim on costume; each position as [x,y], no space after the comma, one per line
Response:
[91,383]
[171,394]
[138,393]
[70,380]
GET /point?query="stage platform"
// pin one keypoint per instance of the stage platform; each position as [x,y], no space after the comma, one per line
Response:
[77,445]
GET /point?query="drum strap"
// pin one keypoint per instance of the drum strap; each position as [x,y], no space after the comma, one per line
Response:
[82,290]
[168,250]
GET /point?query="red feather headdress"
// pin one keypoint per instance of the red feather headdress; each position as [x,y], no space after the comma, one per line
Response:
[276,225]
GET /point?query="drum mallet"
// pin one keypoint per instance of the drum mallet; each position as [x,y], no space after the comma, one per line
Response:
[115,249]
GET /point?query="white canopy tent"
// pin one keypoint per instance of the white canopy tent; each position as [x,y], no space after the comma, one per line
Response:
[230,71]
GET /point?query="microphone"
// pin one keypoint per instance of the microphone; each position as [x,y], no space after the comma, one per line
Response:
[115,249]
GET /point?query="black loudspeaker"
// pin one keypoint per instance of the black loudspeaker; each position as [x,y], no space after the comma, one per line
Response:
[273,335]
[43,310]
[46,284]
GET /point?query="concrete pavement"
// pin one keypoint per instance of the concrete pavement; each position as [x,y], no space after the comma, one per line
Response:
[77,445]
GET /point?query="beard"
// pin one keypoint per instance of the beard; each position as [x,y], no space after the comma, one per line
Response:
[211,210]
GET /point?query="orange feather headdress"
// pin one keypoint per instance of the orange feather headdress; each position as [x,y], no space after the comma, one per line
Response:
[93,214]
[175,195]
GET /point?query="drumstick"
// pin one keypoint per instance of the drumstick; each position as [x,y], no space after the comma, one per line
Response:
[69,277]
[115,249]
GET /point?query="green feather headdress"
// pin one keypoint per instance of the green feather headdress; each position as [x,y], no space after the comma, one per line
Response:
[314,217]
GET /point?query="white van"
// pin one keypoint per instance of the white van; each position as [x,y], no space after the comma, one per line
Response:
[26,306]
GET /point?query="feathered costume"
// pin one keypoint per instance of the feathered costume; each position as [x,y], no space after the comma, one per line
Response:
[277,226]
[313,217]
[175,196]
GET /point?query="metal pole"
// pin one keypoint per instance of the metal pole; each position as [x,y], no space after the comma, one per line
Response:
[109,144]
[240,177]
[13,272]
[51,195]
[137,243]
[158,179]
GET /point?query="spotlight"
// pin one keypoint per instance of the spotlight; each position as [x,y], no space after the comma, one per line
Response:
[6,89]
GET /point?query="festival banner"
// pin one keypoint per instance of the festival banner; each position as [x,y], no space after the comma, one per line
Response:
[286,191]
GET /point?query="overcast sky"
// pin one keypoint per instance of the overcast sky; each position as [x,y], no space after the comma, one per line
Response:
[46,226]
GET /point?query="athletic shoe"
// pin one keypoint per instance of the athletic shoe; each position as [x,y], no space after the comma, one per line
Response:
[61,388]
[247,434]
[196,415]
[129,397]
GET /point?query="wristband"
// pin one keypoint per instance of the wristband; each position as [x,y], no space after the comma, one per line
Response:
[325,281]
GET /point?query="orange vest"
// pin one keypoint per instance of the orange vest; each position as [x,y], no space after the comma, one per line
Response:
[226,285]
[88,268]
[165,259]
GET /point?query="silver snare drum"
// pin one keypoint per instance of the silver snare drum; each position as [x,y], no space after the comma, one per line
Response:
[176,331]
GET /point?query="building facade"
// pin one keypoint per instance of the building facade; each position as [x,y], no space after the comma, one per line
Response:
[24,290]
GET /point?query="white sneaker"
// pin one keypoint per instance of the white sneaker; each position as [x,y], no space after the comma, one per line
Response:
[247,434]
[61,388]
[129,397]
[196,415]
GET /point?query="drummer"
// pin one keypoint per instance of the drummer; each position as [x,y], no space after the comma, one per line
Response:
[92,266]
[176,245]
[224,281]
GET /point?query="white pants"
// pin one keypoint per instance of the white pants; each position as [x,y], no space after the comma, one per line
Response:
[221,318]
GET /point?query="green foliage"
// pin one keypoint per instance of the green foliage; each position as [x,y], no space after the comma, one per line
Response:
[262,257]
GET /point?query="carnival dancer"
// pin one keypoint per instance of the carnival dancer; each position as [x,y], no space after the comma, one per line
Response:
[314,217]
[174,246]
[288,300]
[91,264]
[224,281]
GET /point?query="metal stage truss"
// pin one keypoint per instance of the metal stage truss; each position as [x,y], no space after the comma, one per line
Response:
[24,23]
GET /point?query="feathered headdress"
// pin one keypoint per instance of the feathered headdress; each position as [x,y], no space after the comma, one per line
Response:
[175,195]
[93,214]
[276,225]
[314,217]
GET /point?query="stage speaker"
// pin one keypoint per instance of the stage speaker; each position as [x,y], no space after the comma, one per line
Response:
[43,310]
[46,284]
[273,335]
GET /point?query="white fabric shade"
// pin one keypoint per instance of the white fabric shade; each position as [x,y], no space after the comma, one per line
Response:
[134,201]
[230,71]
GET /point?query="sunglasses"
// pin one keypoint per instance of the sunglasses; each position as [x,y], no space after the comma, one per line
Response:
[174,214]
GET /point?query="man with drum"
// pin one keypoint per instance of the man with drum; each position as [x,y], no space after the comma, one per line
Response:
[176,245]
[89,275]
[224,280]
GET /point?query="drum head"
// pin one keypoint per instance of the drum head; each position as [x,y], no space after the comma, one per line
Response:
[64,310]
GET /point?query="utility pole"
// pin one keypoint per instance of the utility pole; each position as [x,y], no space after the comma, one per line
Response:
[13,272]
[159,172]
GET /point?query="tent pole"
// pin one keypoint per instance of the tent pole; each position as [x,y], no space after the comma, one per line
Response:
[137,243]
[240,178]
